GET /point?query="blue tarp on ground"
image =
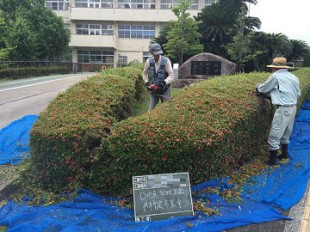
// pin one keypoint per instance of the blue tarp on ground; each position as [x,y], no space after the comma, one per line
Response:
[282,187]
[89,213]
[14,140]
[286,185]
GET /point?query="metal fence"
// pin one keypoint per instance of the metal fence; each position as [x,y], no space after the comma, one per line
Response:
[22,69]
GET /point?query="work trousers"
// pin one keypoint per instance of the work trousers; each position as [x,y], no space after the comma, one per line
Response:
[154,98]
[282,126]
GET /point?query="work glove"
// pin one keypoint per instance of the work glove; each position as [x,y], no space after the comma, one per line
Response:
[151,87]
[148,86]
[262,95]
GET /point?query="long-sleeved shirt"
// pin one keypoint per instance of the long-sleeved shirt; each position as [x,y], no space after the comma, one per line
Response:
[283,87]
[168,69]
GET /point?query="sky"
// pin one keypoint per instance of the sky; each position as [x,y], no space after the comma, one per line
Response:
[289,17]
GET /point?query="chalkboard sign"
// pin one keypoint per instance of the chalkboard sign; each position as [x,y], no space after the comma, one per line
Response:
[209,68]
[158,197]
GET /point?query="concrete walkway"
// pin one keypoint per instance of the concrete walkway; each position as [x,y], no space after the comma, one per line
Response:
[32,95]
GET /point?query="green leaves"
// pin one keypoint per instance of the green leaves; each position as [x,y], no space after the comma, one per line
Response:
[32,32]
[86,138]
[65,138]
[183,36]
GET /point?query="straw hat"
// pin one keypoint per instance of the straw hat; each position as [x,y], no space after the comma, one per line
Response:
[279,62]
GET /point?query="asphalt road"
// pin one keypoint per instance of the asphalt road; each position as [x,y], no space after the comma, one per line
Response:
[32,95]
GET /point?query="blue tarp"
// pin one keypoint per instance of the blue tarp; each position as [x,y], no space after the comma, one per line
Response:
[286,185]
[282,187]
[89,213]
[14,140]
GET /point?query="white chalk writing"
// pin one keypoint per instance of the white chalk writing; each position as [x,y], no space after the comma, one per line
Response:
[171,192]
[148,195]
[157,205]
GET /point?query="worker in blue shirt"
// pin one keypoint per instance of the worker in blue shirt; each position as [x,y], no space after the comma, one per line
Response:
[284,90]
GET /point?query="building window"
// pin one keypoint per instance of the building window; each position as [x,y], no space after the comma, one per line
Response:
[169,4]
[122,60]
[94,3]
[81,3]
[57,4]
[207,2]
[106,3]
[96,57]
[137,4]
[94,29]
[146,55]
[136,31]
[194,5]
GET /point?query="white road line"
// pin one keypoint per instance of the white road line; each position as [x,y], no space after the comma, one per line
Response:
[20,81]
[39,83]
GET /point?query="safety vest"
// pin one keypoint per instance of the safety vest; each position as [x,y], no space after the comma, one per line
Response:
[161,74]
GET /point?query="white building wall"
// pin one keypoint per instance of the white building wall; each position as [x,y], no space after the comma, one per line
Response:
[131,48]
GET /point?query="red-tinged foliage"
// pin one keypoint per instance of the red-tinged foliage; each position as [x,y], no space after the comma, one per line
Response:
[208,130]
[64,139]
[86,139]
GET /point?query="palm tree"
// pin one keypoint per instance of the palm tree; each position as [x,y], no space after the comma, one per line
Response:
[299,50]
[215,28]
[259,43]
[251,23]
[216,22]
[236,5]
[278,45]
[269,46]
[219,24]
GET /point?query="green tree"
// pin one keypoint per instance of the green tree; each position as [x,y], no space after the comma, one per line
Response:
[235,6]
[52,37]
[306,60]
[299,50]
[28,21]
[269,46]
[162,38]
[215,27]
[20,40]
[240,49]
[183,37]
[3,50]
[10,7]
[219,22]
[278,44]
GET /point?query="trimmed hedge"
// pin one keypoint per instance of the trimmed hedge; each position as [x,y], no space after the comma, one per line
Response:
[85,138]
[32,71]
[64,139]
[207,130]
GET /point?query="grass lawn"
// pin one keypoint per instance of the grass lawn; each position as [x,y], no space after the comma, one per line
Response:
[142,107]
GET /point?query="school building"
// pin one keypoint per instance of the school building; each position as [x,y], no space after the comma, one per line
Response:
[112,32]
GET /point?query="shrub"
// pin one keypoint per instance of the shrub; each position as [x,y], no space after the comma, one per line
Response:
[21,72]
[66,135]
[85,138]
[207,130]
